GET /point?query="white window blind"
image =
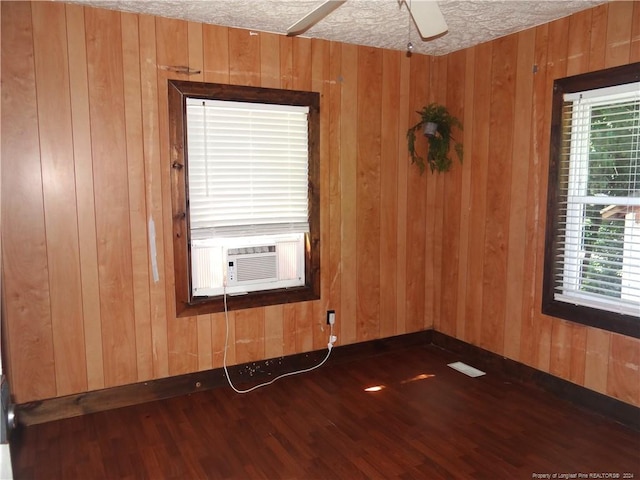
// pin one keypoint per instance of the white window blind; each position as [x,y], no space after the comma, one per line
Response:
[247,168]
[598,262]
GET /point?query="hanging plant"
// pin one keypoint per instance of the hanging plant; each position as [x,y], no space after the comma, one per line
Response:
[436,123]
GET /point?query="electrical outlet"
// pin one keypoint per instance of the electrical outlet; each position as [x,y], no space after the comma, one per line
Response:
[331,317]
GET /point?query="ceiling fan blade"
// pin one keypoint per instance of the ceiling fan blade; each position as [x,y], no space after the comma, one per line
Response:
[427,17]
[313,17]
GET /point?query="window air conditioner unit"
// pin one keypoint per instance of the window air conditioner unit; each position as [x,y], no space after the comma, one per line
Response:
[249,264]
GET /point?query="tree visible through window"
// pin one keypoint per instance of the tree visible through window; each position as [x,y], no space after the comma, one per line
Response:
[592,262]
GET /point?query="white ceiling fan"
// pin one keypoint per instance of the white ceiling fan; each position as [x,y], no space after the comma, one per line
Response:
[425,13]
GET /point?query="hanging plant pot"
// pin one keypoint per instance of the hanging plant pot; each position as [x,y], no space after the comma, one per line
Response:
[437,124]
[430,129]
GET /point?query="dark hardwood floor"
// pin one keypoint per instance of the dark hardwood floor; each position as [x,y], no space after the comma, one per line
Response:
[427,422]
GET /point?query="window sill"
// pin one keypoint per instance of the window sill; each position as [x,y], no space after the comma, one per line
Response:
[204,305]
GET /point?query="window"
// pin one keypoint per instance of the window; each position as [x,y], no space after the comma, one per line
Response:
[244,195]
[592,256]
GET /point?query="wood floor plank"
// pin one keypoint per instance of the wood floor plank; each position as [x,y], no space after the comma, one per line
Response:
[427,421]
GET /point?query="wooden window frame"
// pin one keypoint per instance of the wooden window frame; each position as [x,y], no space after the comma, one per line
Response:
[594,317]
[186,304]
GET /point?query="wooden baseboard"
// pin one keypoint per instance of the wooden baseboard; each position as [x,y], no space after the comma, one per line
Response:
[604,405]
[243,376]
[256,372]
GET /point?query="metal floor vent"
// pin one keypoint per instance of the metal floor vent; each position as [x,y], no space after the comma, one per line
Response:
[466,369]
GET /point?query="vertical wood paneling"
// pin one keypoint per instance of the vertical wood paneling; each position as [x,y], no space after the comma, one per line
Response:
[368,193]
[598,37]
[518,196]
[348,204]
[223,327]
[560,356]
[286,62]
[196,62]
[289,315]
[401,252]
[498,201]
[137,201]
[301,64]
[273,332]
[403,200]
[61,220]
[579,39]
[597,358]
[24,254]
[303,321]
[244,57]
[320,65]
[479,166]
[249,335]
[182,333]
[578,353]
[153,193]
[270,60]
[333,274]
[529,331]
[85,195]
[389,143]
[215,61]
[623,380]
[216,53]
[416,205]
[452,201]
[302,80]
[634,52]
[106,107]
[465,200]
[434,225]
[619,23]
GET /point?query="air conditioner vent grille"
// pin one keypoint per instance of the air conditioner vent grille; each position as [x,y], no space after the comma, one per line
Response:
[263,267]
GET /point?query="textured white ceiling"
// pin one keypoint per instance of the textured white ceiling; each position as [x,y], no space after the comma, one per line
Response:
[376,23]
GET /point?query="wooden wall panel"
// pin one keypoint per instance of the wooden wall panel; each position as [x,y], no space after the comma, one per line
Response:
[153,194]
[137,200]
[634,53]
[619,23]
[85,196]
[369,108]
[498,201]
[461,252]
[61,220]
[416,193]
[479,164]
[320,65]
[465,241]
[404,122]
[450,240]
[623,380]
[182,334]
[108,142]
[390,139]
[333,188]
[529,331]
[434,207]
[244,57]
[301,61]
[26,297]
[196,62]
[520,155]
[348,205]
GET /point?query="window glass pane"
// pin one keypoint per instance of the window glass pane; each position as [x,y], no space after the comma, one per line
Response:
[614,143]
[599,179]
